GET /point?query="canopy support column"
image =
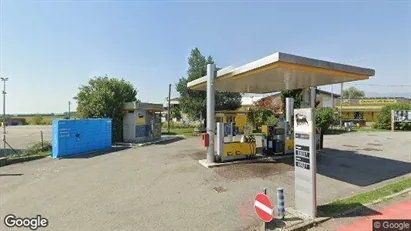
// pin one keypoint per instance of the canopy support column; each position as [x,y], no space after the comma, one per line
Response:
[211,75]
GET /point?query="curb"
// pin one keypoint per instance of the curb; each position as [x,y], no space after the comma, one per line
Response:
[309,224]
[372,203]
[160,141]
[389,196]
[316,221]
[148,143]
[259,159]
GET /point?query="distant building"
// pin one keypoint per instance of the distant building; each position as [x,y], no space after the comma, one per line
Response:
[239,116]
[366,108]
[325,98]
[15,121]
[173,102]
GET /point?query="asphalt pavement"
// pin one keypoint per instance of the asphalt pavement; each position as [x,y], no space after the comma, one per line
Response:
[163,187]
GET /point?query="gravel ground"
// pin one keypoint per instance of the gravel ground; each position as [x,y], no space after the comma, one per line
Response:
[20,137]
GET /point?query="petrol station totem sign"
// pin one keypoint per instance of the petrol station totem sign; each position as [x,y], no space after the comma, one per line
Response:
[305,161]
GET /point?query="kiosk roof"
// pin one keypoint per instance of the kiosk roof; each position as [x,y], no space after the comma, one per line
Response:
[281,71]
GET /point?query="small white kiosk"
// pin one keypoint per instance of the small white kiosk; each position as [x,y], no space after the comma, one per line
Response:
[141,122]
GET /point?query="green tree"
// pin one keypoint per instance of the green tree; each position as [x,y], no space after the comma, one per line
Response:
[194,103]
[296,94]
[324,118]
[384,117]
[259,116]
[352,93]
[175,111]
[272,120]
[103,97]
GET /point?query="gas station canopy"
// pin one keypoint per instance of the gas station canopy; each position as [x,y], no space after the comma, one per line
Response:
[281,71]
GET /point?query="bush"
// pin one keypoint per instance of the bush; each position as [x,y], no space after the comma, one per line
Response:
[271,121]
[38,148]
[384,117]
[324,118]
[177,125]
[258,116]
[37,120]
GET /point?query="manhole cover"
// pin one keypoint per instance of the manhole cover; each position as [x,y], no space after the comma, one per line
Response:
[350,146]
[372,149]
[374,144]
[219,189]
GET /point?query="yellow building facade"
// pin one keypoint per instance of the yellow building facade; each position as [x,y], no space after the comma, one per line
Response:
[365,109]
[239,117]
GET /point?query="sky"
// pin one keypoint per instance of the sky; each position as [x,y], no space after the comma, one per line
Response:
[50,48]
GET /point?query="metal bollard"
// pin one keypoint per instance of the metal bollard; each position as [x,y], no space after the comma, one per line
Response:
[280,203]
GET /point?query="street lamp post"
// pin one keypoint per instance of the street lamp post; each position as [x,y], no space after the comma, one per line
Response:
[4,113]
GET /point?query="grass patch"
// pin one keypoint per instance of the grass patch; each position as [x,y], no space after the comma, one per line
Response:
[370,129]
[40,120]
[179,131]
[345,204]
[338,130]
[15,159]
[34,152]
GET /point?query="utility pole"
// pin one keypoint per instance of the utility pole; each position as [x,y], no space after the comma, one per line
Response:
[341,99]
[69,109]
[4,113]
[69,103]
[169,109]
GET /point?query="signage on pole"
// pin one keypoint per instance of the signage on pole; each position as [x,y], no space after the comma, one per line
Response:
[305,161]
[402,116]
[263,207]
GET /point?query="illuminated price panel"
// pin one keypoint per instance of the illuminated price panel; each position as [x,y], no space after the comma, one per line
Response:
[302,157]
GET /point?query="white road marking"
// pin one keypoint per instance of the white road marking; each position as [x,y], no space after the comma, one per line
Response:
[263,207]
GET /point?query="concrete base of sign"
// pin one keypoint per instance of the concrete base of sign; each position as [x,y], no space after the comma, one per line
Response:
[157,141]
[293,221]
[258,158]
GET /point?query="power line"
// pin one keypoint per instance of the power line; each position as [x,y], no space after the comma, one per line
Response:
[378,85]
[383,85]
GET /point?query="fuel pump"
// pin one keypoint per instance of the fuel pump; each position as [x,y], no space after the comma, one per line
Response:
[228,132]
[274,138]
[227,149]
